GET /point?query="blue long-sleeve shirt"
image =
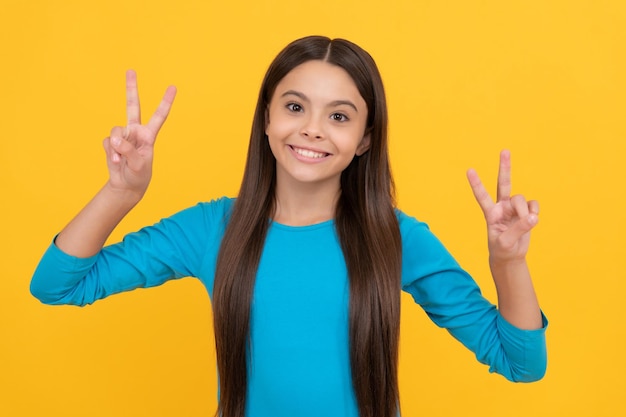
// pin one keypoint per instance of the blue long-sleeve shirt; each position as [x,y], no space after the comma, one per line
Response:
[299,352]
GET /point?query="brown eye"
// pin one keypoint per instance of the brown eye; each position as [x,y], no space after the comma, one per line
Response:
[294,107]
[338,117]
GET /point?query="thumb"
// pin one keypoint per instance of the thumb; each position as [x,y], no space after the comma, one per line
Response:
[524,225]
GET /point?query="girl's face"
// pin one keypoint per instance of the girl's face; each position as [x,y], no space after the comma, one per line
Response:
[315,123]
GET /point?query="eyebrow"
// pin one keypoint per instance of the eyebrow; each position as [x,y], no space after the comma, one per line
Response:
[331,104]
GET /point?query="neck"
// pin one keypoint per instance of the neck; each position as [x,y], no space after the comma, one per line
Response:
[305,204]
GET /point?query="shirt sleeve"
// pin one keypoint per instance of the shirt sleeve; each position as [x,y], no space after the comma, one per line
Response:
[452,300]
[172,248]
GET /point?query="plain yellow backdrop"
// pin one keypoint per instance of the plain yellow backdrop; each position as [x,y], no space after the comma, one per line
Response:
[465,79]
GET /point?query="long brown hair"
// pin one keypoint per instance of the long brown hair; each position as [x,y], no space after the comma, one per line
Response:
[366,225]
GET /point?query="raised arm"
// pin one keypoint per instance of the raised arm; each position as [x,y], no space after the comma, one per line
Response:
[129,152]
[509,222]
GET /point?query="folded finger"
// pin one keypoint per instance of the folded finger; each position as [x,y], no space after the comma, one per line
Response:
[510,237]
[111,154]
[122,146]
[520,206]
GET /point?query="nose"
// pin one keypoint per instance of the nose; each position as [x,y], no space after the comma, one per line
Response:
[312,128]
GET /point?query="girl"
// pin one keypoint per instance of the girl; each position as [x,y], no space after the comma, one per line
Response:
[305,267]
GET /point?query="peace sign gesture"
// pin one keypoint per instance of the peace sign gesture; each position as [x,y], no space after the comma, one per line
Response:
[130,149]
[509,219]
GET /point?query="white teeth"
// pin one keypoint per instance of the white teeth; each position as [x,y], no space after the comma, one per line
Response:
[309,154]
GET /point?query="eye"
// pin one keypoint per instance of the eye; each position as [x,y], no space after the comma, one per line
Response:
[339,117]
[294,107]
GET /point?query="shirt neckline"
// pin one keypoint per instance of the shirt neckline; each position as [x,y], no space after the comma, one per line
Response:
[313,226]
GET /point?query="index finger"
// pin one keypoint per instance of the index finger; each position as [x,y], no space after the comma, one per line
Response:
[480,192]
[504,176]
[133,111]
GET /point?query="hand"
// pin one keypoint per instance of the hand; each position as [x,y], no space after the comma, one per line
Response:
[130,149]
[509,219]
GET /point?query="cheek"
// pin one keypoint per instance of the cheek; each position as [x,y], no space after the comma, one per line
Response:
[276,134]
[279,126]
[349,141]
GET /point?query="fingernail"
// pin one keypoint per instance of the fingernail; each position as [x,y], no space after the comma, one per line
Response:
[533,219]
[116,141]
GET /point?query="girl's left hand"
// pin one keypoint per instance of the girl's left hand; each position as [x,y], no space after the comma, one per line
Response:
[509,219]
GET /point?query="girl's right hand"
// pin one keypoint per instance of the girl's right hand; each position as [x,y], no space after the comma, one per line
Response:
[130,149]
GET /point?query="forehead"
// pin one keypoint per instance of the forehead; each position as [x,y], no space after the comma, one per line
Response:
[320,80]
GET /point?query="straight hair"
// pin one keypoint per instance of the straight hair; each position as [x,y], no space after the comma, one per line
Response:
[366,225]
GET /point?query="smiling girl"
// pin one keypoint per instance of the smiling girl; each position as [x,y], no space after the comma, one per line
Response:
[305,267]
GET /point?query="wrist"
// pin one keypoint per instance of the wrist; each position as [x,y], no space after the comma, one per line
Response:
[123,196]
[507,263]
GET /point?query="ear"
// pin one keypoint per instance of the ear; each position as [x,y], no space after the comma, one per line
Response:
[364,145]
[267,118]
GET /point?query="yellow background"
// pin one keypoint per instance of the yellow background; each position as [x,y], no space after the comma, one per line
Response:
[465,79]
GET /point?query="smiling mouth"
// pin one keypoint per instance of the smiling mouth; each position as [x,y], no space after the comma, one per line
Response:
[307,153]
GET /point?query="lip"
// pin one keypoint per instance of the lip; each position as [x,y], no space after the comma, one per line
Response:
[292,149]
